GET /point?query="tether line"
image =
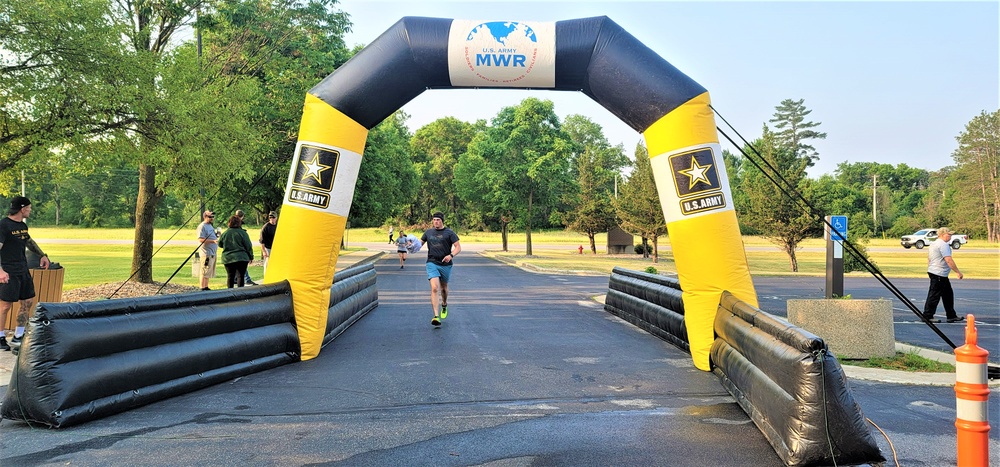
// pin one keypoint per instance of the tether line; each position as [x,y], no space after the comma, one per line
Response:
[792,192]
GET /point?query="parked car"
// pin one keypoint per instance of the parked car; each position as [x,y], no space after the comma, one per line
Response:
[924,237]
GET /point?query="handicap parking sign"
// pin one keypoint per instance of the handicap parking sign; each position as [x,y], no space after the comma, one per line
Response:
[839,231]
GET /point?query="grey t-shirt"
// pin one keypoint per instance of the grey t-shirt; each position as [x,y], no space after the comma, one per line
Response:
[936,264]
[207,231]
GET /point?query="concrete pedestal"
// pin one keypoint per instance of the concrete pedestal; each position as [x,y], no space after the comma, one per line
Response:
[854,329]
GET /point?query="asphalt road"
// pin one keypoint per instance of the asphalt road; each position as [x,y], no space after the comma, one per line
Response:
[527,370]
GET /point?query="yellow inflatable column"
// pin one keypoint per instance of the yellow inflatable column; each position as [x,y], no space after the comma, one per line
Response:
[314,213]
[697,203]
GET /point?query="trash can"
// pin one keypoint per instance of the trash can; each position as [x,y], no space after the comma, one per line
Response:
[48,288]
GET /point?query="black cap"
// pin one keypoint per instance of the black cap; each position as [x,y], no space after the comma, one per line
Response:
[272,215]
[438,215]
[19,202]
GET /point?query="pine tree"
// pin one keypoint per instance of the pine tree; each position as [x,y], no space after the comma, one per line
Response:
[638,204]
[793,130]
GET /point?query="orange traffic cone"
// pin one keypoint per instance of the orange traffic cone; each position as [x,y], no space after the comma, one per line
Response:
[972,393]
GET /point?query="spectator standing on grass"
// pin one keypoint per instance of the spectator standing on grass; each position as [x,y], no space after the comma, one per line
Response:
[267,237]
[246,275]
[209,246]
[15,279]
[939,265]
[237,252]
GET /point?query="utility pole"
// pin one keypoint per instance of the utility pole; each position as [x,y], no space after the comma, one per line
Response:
[875,203]
[197,30]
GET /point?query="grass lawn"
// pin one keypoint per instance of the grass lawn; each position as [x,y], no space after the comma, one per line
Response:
[976,262]
[89,264]
[904,362]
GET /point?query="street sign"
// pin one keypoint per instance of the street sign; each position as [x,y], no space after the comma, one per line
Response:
[836,234]
[839,224]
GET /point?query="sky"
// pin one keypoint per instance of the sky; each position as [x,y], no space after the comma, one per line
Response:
[890,82]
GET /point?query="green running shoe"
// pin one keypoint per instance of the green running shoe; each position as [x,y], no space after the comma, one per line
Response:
[436,321]
[444,311]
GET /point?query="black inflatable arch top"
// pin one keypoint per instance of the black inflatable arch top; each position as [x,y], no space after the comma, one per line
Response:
[593,55]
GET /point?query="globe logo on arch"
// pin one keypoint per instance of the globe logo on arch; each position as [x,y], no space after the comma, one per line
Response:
[501,52]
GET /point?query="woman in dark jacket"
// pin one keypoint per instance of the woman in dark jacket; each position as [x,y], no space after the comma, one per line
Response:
[237,251]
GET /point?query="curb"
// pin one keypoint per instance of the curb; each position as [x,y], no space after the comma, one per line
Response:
[525,266]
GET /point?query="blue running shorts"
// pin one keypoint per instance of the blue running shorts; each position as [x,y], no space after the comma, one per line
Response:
[442,272]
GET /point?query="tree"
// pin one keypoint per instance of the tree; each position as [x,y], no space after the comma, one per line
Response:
[435,149]
[201,136]
[215,124]
[387,181]
[62,70]
[638,203]
[596,165]
[777,216]
[518,166]
[897,190]
[105,78]
[794,131]
[976,182]
[287,47]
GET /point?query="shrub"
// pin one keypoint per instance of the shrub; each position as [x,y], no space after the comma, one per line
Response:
[851,263]
[652,270]
[638,249]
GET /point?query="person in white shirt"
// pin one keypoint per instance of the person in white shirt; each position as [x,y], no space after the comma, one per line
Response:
[939,265]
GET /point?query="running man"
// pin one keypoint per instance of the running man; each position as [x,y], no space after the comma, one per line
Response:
[402,244]
[442,248]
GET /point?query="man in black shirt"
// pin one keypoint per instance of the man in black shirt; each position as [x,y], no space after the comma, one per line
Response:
[15,279]
[442,248]
[267,237]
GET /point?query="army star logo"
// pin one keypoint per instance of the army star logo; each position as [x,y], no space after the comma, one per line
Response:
[314,168]
[697,173]
[314,176]
[694,172]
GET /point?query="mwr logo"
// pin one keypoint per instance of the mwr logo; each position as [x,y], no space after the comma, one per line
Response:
[501,52]
[694,172]
[703,203]
[314,173]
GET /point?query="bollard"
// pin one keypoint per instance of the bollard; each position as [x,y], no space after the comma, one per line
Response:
[971,396]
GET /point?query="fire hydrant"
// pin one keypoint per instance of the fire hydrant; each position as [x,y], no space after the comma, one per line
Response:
[580,249]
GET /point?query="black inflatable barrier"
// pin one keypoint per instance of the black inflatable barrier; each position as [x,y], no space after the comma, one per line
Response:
[792,388]
[87,360]
[649,301]
[353,295]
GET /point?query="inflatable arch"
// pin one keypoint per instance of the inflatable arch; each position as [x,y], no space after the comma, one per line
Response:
[591,55]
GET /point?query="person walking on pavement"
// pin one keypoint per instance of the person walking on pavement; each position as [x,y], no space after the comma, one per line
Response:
[442,248]
[15,278]
[939,264]
[267,237]
[402,246]
[209,246]
[237,252]
[246,273]
[390,234]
